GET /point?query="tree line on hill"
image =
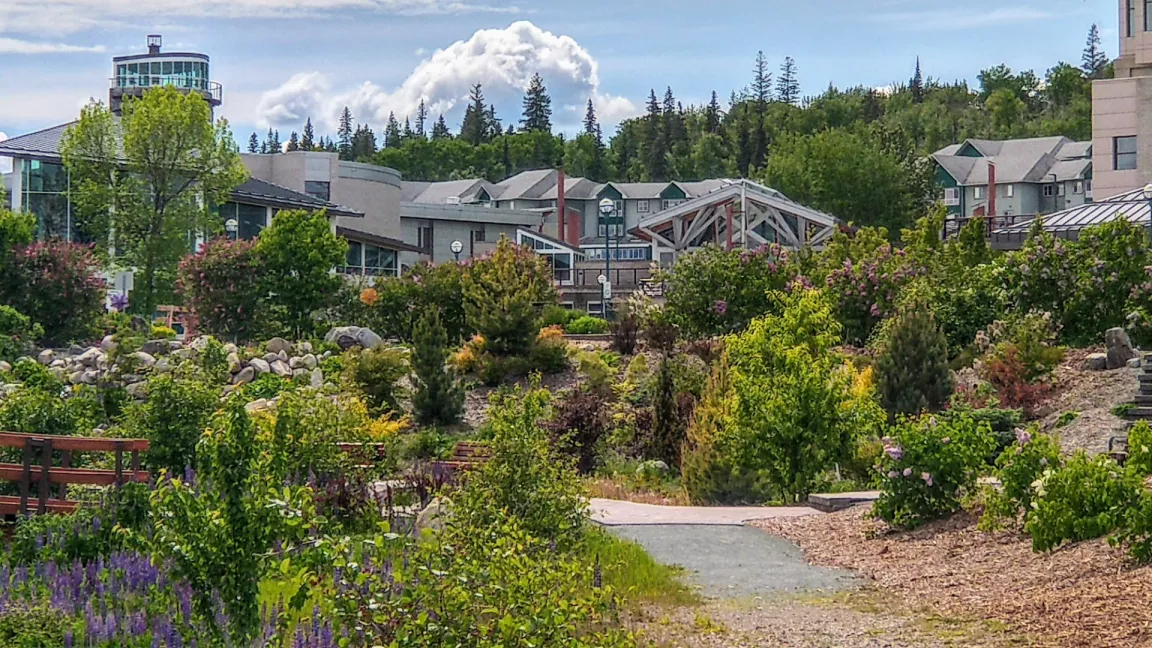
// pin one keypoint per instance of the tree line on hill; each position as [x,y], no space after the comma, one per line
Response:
[858,153]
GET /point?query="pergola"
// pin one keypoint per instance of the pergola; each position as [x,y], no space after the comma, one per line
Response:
[742,214]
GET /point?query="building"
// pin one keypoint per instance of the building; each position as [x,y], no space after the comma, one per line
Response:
[1121,119]
[134,74]
[1010,178]
[1068,224]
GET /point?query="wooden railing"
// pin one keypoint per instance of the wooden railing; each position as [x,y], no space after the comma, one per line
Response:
[41,471]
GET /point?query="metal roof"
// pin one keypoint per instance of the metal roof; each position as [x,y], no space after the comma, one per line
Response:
[265,193]
[40,144]
[1069,223]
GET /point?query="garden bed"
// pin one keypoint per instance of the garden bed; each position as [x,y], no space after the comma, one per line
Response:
[1085,594]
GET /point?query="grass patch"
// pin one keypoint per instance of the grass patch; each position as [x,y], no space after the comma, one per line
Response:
[632,572]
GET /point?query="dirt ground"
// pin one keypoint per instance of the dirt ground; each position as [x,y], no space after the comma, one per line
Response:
[1080,596]
[1092,395]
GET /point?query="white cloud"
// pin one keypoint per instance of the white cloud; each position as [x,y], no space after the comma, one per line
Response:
[502,60]
[18,46]
[963,18]
[70,16]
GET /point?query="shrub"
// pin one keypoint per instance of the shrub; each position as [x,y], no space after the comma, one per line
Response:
[1020,356]
[928,464]
[266,385]
[17,334]
[866,280]
[298,252]
[31,410]
[912,372]
[525,479]
[796,410]
[35,627]
[586,325]
[1018,468]
[1140,448]
[596,372]
[223,285]
[556,315]
[965,300]
[625,330]
[580,419]
[401,300]
[1086,498]
[492,370]
[375,372]
[501,292]
[306,429]
[84,535]
[715,291]
[549,352]
[36,376]
[173,419]
[57,285]
[438,397]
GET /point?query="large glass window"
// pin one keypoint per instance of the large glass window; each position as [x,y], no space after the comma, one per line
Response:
[355,256]
[44,193]
[252,220]
[1147,15]
[368,259]
[1124,153]
[317,189]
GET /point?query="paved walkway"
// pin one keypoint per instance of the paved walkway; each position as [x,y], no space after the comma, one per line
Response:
[616,513]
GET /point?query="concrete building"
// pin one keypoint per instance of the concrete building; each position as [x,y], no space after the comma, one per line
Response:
[1122,107]
[1013,178]
[134,74]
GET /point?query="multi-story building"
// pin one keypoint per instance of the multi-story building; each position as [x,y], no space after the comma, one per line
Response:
[1011,178]
[1122,107]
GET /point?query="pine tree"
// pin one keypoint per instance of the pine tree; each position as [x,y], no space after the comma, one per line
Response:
[438,396]
[1094,60]
[407,133]
[473,127]
[266,146]
[293,142]
[656,155]
[307,142]
[761,83]
[344,133]
[916,84]
[712,115]
[873,109]
[492,127]
[912,372]
[253,144]
[331,147]
[591,126]
[787,85]
[537,107]
[275,146]
[392,132]
[440,129]
[363,143]
[421,118]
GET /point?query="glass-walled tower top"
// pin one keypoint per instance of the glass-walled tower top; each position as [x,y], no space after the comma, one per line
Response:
[132,75]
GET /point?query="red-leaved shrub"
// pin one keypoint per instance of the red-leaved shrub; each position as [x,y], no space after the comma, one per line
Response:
[222,286]
[57,285]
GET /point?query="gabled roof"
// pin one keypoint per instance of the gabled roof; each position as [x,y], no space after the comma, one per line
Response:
[529,185]
[377,240]
[265,193]
[1070,222]
[42,143]
[1019,160]
[439,193]
[701,187]
[639,190]
[758,191]
[574,188]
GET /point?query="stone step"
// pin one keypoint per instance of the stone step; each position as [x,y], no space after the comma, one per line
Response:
[1143,399]
[830,502]
[1137,413]
[1145,378]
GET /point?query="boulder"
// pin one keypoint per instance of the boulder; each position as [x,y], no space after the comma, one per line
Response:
[278,344]
[299,371]
[139,324]
[271,357]
[261,366]
[108,345]
[199,344]
[76,378]
[309,361]
[156,347]
[304,347]
[90,357]
[137,390]
[5,367]
[316,379]
[281,368]
[344,336]
[234,365]
[295,362]
[145,359]
[244,376]
[652,467]
[432,517]
[258,405]
[1119,347]
[58,363]
[231,348]
[282,355]
[1095,362]
[131,379]
[368,339]
[1117,337]
[46,357]
[90,377]
[162,366]
[1134,363]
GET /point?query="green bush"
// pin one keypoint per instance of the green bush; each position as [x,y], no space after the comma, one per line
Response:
[1136,532]
[88,533]
[526,479]
[492,370]
[297,253]
[375,374]
[37,627]
[911,368]
[586,325]
[17,334]
[397,302]
[35,411]
[36,376]
[1086,498]
[580,420]
[308,425]
[438,396]
[556,315]
[223,285]
[596,372]
[1018,468]
[266,385]
[928,465]
[864,275]
[1140,448]
[501,294]
[173,419]
[57,285]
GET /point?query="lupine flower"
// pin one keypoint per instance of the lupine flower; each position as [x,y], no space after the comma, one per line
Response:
[119,302]
[894,451]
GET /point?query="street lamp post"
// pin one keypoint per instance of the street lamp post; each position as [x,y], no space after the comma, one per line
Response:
[1148,197]
[457,247]
[606,209]
[232,227]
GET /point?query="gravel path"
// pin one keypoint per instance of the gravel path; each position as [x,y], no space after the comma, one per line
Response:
[734,562]
[617,512]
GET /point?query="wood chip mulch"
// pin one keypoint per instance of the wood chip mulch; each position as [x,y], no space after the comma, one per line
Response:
[1082,595]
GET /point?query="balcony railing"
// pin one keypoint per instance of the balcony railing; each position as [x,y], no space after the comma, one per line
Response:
[126,82]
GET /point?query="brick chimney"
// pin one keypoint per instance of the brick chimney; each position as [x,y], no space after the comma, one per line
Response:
[991,195]
[561,209]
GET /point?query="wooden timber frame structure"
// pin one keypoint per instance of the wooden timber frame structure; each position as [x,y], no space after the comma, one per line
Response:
[37,468]
[743,214]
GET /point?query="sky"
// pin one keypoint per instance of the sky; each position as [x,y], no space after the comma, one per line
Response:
[280,61]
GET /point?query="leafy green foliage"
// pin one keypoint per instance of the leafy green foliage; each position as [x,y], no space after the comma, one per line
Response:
[556,315]
[375,372]
[173,418]
[912,372]
[501,295]
[17,334]
[32,410]
[223,285]
[400,301]
[303,438]
[88,533]
[1140,448]
[1020,356]
[298,252]
[438,396]
[58,286]
[1018,468]
[586,325]
[1085,498]
[927,466]
[31,628]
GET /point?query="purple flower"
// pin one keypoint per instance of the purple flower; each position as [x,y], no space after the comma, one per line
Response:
[720,307]
[907,472]
[120,302]
[1023,437]
[894,451]
[875,310]
[927,477]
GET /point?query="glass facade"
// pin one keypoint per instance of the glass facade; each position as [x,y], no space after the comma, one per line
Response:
[181,74]
[317,189]
[250,219]
[371,260]
[44,192]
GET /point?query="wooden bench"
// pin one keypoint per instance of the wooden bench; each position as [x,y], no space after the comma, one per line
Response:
[39,470]
[466,455]
[364,452]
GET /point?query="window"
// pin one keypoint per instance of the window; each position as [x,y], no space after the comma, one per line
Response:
[951,197]
[321,190]
[621,254]
[978,192]
[251,220]
[642,206]
[1060,189]
[1009,190]
[596,308]
[478,234]
[1078,187]
[1147,15]
[613,230]
[424,238]
[1124,153]
[1047,191]
[1129,16]
[619,206]
[355,257]
[669,203]
[371,260]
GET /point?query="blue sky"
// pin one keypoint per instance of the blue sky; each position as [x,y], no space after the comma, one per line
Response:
[280,60]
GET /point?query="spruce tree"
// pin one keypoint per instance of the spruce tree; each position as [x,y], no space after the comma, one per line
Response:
[761,83]
[392,132]
[1094,60]
[473,128]
[590,123]
[712,115]
[275,145]
[787,85]
[421,119]
[656,154]
[873,109]
[407,133]
[293,142]
[916,84]
[492,127]
[253,143]
[438,396]
[912,373]
[363,143]
[537,107]
[440,129]
[307,142]
[344,134]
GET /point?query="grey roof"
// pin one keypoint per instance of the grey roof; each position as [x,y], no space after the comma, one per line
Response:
[42,143]
[1069,223]
[701,187]
[1019,160]
[640,190]
[527,184]
[439,193]
[410,189]
[265,193]
[574,188]
[377,240]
